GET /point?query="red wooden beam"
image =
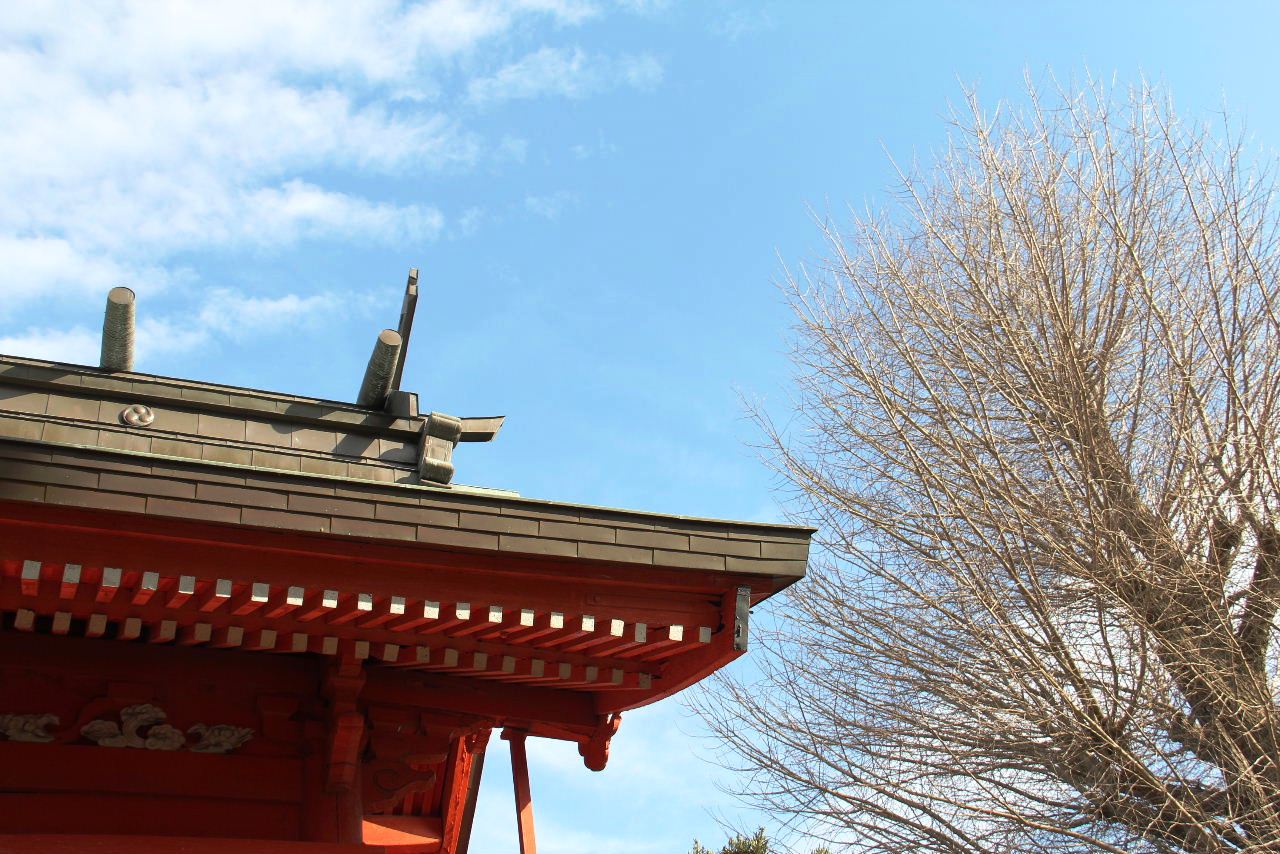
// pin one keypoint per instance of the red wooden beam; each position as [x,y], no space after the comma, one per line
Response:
[496,701]
[524,798]
[311,550]
[78,844]
[250,629]
[461,786]
[676,674]
[280,559]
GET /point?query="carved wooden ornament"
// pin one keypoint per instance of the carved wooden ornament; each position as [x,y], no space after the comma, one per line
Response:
[142,726]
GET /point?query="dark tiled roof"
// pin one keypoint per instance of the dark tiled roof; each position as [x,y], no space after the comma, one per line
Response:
[246,457]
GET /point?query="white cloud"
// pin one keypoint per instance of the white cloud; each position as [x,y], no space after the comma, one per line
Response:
[512,149]
[600,148]
[163,336]
[641,72]
[550,206]
[644,7]
[469,222]
[77,345]
[237,315]
[548,71]
[136,131]
[223,314]
[227,315]
[138,136]
[378,40]
[275,215]
[738,23]
[566,73]
[37,265]
[142,173]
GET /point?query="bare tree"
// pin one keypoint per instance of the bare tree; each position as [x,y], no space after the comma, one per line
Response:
[1037,425]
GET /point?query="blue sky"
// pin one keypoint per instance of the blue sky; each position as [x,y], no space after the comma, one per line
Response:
[601,196]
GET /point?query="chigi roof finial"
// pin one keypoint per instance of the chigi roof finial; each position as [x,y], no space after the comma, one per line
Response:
[380,389]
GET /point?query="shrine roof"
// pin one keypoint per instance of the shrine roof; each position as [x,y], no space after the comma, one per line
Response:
[127,441]
[211,528]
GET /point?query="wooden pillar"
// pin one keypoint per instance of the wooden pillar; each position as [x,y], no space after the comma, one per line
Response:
[524,799]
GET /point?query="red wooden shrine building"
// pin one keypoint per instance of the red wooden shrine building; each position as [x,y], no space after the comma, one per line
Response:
[242,620]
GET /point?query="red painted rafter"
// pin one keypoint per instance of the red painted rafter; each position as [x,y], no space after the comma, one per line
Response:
[563,602]
[222,612]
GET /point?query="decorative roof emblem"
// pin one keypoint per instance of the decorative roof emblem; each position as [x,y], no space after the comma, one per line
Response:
[137,415]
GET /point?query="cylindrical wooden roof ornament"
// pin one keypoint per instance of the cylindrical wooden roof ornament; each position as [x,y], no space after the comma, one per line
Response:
[381,371]
[117,331]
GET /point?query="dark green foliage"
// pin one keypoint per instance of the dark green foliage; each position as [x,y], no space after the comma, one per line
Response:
[757,843]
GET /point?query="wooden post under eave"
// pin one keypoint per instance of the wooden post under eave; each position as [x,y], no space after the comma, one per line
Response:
[524,799]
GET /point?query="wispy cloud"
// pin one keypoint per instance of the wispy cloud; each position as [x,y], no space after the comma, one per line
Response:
[583,151]
[550,206]
[641,71]
[36,265]
[237,315]
[135,132]
[565,72]
[739,23]
[274,215]
[378,40]
[645,7]
[222,315]
[77,345]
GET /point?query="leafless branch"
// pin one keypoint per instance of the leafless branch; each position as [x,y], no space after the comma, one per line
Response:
[1037,425]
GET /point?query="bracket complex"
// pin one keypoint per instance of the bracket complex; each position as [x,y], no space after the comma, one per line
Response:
[594,749]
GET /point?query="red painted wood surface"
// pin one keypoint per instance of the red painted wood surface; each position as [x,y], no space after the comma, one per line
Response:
[383,742]
[524,795]
[461,785]
[612,664]
[76,844]
[403,834]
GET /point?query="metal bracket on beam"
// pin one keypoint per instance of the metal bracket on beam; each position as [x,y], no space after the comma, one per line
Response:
[742,619]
